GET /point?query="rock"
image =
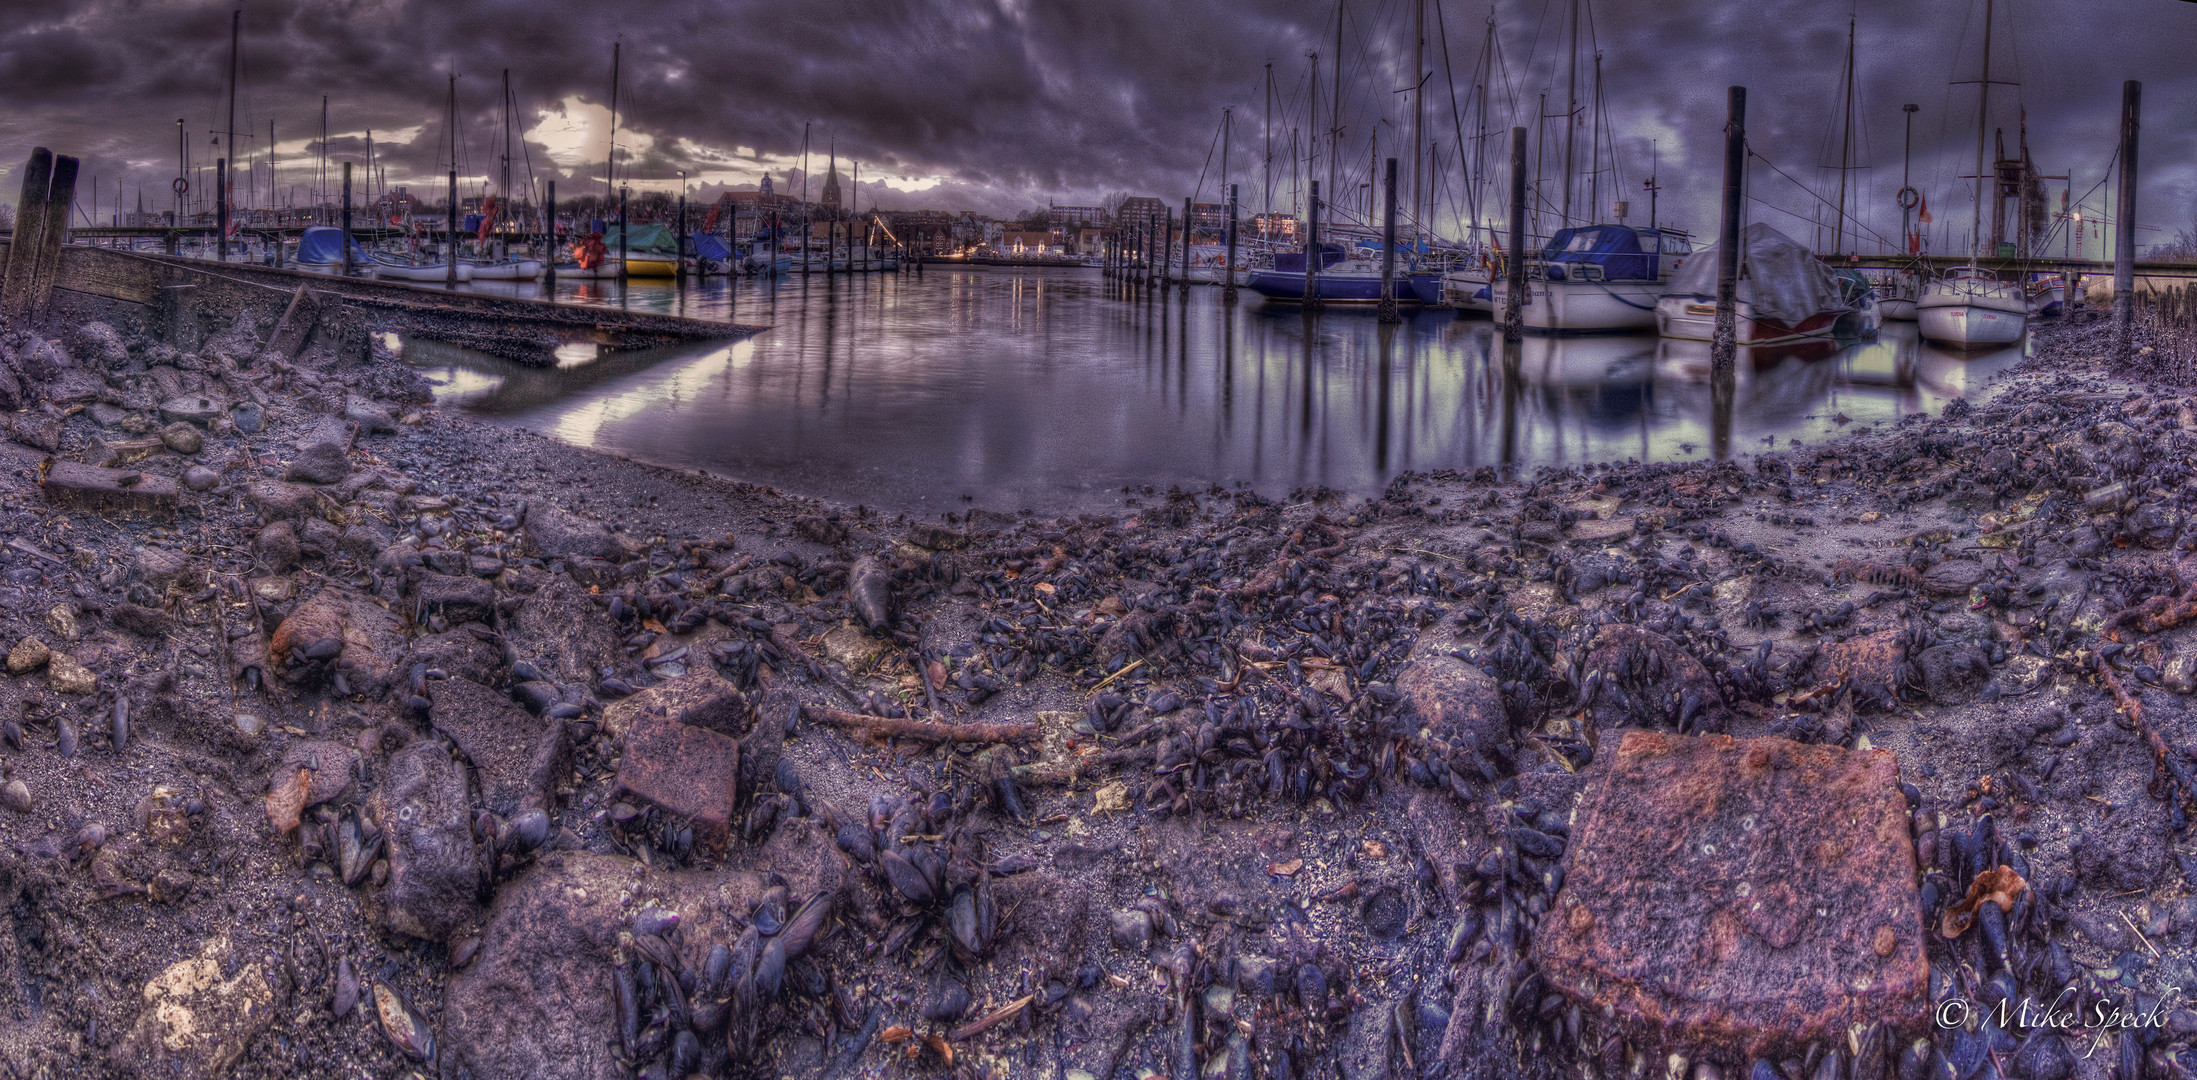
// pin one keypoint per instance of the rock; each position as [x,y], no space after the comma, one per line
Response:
[458,599]
[459,654]
[276,548]
[200,478]
[520,758]
[691,772]
[197,1022]
[1457,703]
[200,409]
[16,796]
[371,637]
[1951,674]
[442,560]
[27,656]
[851,648]
[61,619]
[248,417]
[1953,577]
[370,417]
[142,621]
[34,429]
[570,631]
[99,344]
[436,870]
[332,765]
[161,567]
[66,676]
[870,593]
[700,697]
[279,501]
[535,1003]
[88,487]
[321,462]
[183,438]
[923,534]
[484,566]
[1786,868]
[551,533]
[364,540]
[318,538]
[121,453]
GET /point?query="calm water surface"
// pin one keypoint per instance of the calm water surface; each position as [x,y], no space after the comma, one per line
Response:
[1053,389]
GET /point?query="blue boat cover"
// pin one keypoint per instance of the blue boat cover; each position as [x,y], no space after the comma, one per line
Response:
[1615,248]
[473,223]
[323,244]
[709,246]
[1292,262]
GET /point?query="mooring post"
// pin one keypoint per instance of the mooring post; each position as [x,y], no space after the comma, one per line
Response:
[1228,291]
[60,199]
[1514,266]
[681,239]
[625,245]
[1724,347]
[549,236]
[1388,245]
[30,226]
[221,205]
[2124,226]
[1186,244]
[1312,248]
[450,236]
[347,219]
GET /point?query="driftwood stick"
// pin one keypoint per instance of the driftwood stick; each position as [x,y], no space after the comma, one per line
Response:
[990,1020]
[887,727]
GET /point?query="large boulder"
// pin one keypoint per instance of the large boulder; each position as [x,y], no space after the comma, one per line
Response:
[554,534]
[437,870]
[520,758]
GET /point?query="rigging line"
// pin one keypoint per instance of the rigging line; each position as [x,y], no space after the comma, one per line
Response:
[1456,115]
[1200,189]
[1796,183]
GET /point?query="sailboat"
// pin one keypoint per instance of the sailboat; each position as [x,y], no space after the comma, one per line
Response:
[411,266]
[501,265]
[1971,307]
[590,257]
[1600,277]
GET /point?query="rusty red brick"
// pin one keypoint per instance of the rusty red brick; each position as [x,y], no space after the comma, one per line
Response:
[1743,896]
[689,772]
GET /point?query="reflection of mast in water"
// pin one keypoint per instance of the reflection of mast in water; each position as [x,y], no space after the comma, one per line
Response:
[1512,384]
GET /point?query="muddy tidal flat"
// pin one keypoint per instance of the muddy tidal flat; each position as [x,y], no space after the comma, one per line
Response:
[347,735]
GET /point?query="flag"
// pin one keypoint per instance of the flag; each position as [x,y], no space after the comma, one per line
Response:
[1925,217]
[709,221]
[233,222]
[488,218]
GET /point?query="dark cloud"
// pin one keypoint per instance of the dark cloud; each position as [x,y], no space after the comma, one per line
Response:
[1012,102]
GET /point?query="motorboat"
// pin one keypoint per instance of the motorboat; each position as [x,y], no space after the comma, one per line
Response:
[1337,280]
[1971,308]
[1784,294]
[391,267]
[1597,279]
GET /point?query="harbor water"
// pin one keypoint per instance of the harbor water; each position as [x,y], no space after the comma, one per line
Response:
[1055,390]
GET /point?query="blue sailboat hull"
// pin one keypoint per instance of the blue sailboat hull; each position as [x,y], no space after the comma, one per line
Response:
[1330,288]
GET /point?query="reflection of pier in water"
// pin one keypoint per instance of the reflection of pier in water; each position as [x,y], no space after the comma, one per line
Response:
[498,387]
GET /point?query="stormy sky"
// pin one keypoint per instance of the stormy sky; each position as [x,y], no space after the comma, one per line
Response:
[1001,105]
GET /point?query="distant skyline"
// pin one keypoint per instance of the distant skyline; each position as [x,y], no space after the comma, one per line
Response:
[1001,105]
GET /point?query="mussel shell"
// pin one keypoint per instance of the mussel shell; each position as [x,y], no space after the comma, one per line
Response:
[407,1032]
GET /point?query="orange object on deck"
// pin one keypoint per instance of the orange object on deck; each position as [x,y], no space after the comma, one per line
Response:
[589,252]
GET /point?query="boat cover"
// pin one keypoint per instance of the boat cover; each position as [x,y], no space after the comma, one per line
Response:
[323,245]
[1292,262]
[1785,281]
[645,239]
[709,246]
[1615,248]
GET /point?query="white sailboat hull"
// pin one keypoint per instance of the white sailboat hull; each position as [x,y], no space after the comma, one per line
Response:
[1965,313]
[428,272]
[512,270]
[1467,290]
[1583,306]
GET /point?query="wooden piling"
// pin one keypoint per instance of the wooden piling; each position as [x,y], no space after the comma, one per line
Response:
[1388,245]
[1186,243]
[450,248]
[60,199]
[1228,289]
[30,227]
[1724,347]
[221,204]
[680,268]
[549,239]
[1312,248]
[347,219]
[1514,267]
[2124,226]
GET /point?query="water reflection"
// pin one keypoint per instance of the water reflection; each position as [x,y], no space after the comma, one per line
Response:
[1055,389]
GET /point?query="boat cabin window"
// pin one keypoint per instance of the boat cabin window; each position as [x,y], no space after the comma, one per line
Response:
[1677,245]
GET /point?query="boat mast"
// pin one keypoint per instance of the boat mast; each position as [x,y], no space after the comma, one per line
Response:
[321,196]
[1846,137]
[503,181]
[1418,106]
[1228,124]
[1594,146]
[1312,121]
[1335,111]
[610,166]
[1571,111]
[1267,147]
[1480,141]
[236,22]
[1983,114]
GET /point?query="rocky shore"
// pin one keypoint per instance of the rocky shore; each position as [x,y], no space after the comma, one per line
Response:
[346,736]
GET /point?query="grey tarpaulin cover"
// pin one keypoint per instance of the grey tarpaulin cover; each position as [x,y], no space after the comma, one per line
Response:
[1783,280]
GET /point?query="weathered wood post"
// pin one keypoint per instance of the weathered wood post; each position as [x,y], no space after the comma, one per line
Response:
[1514,266]
[450,236]
[1388,246]
[1312,249]
[1186,243]
[2124,227]
[1724,347]
[60,199]
[549,236]
[681,239]
[347,219]
[1228,291]
[30,226]
[221,205]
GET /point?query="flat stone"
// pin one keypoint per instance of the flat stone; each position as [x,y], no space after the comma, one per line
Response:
[197,1022]
[553,534]
[521,759]
[1457,702]
[692,773]
[66,676]
[278,500]
[192,408]
[700,697]
[332,764]
[853,648]
[200,478]
[1596,530]
[248,417]
[119,453]
[370,417]
[319,463]
[1953,577]
[535,1003]
[33,429]
[162,566]
[89,487]
[458,599]
[923,534]
[1748,896]
[436,870]
[27,656]
[460,654]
